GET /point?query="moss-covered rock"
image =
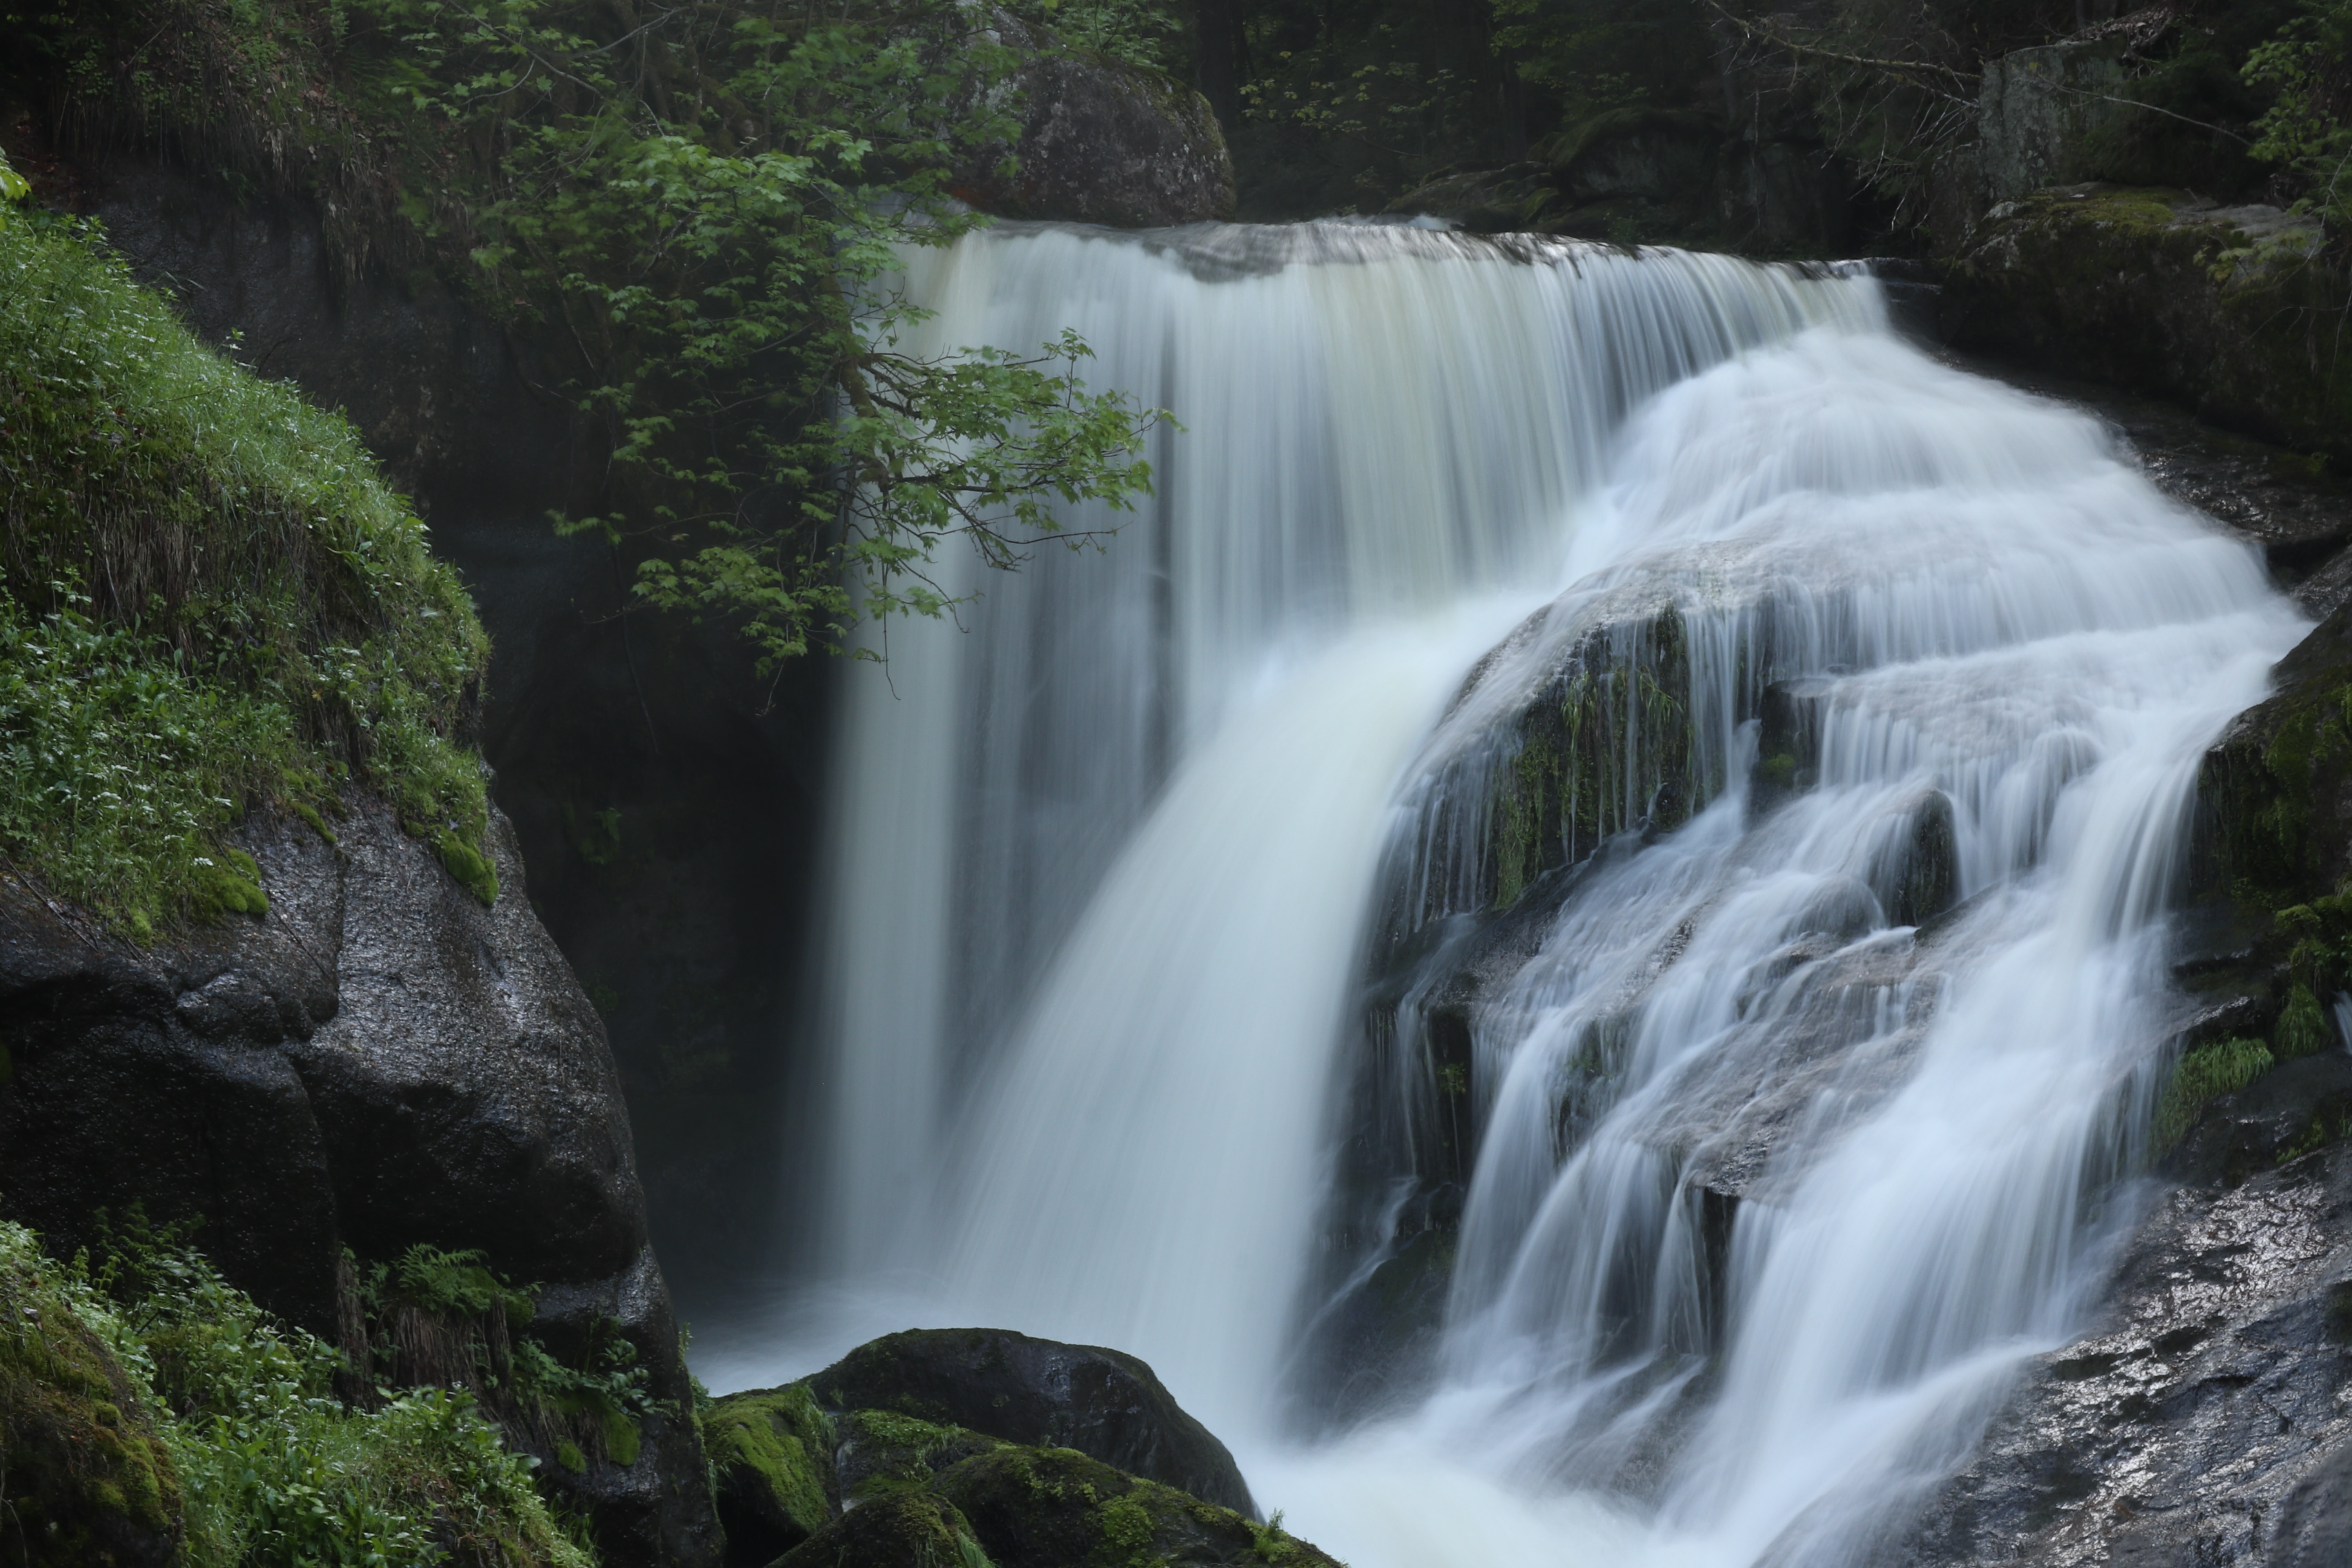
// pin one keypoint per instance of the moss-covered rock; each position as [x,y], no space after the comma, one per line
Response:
[771,1467]
[86,1477]
[1056,1508]
[904,1530]
[882,1451]
[1024,1390]
[2230,311]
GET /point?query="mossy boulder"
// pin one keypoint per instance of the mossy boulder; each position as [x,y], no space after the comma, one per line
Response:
[87,1480]
[772,1468]
[2232,312]
[905,1530]
[1006,1385]
[1056,1508]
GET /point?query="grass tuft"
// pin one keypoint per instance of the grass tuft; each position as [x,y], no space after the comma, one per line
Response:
[2211,1070]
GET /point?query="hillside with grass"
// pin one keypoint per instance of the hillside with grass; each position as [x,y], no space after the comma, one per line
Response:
[210,603]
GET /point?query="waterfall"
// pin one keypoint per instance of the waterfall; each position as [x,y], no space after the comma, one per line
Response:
[1604,787]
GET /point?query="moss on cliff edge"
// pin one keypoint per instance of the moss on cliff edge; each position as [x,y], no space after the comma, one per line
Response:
[208,601]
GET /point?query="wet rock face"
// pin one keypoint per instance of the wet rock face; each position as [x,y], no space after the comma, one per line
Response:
[2207,1420]
[376,1062]
[1099,1402]
[2041,112]
[1657,177]
[1103,142]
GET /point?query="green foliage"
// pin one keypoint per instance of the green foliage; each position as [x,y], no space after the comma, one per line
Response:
[121,768]
[208,600]
[702,211]
[447,1319]
[1143,33]
[84,1469]
[1602,57]
[271,1468]
[440,1282]
[13,188]
[2211,1070]
[1271,1544]
[1343,106]
[2309,126]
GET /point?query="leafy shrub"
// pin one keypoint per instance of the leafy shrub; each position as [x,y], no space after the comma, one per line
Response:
[2309,127]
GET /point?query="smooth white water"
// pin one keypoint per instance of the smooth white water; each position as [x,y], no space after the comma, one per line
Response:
[1108,864]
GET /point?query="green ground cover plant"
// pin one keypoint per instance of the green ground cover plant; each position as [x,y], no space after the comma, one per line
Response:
[227,1432]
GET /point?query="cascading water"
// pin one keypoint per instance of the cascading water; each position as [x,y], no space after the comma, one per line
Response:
[1781,902]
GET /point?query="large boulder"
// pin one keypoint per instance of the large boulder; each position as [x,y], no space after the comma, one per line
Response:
[1102,1403]
[880,1486]
[377,1061]
[661,796]
[1101,142]
[772,1470]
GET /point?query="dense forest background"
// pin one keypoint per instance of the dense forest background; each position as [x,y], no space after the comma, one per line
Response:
[1514,113]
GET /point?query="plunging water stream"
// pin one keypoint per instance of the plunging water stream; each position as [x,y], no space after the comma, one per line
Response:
[1632,714]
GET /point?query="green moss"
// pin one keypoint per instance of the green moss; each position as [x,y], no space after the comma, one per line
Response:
[2206,1073]
[570,1456]
[470,866]
[907,1530]
[622,1438]
[1065,1508]
[309,815]
[775,1446]
[2140,287]
[227,882]
[208,602]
